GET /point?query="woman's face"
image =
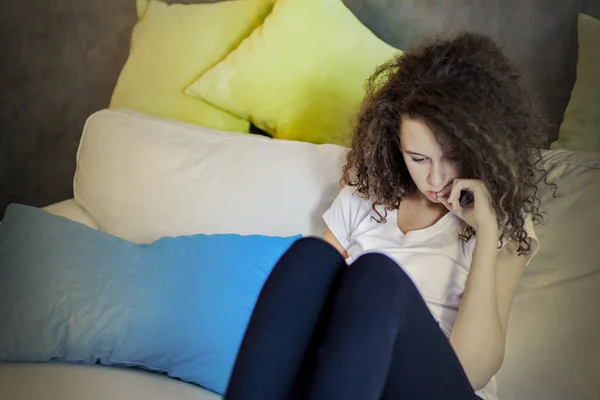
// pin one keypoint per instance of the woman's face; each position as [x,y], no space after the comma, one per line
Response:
[429,169]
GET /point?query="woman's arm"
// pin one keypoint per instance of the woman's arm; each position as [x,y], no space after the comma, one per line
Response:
[479,333]
[330,237]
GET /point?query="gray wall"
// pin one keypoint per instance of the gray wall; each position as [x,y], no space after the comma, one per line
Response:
[60,61]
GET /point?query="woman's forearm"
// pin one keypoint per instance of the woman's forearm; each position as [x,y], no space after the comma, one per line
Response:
[477,336]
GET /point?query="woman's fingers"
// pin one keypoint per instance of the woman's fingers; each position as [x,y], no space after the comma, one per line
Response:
[444,201]
[445,191]
[458,185]
[452,207]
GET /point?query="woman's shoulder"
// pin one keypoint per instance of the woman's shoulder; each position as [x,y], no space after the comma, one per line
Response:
[352,196]
[348,210]
[530,230]
[532,237]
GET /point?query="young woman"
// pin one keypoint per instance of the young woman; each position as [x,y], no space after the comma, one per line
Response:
[408,296]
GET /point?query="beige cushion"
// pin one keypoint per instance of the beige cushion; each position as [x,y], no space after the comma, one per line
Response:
[553,351]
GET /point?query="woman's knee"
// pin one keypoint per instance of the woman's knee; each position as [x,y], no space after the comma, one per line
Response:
[383,268]
[313,245]
[312,253]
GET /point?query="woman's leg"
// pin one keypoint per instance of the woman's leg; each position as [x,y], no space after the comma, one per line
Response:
[283,322]
[383,343]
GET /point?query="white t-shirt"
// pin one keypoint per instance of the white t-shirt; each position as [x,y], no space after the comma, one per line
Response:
[435,258]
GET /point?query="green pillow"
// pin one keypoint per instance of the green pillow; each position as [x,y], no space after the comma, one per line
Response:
[172,45]
[580,129]
[301,75]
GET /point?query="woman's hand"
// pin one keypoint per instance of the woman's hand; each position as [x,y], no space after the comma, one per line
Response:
[479,213]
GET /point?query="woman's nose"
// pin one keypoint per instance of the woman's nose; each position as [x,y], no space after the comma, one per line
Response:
[436,177]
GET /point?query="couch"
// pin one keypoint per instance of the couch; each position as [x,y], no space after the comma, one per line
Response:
[141,177]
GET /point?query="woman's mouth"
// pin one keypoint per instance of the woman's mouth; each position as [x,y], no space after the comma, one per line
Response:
[432,194]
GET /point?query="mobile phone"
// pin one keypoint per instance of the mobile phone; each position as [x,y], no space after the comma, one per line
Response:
[465,198]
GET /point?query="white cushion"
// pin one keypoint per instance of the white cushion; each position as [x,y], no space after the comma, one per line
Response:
[143,177]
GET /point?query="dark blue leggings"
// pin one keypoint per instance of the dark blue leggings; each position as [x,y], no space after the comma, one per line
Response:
[322,330]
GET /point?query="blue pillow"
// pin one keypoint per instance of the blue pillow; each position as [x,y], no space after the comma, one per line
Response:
[179,305]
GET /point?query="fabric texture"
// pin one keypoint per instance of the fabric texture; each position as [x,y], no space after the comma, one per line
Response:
[185,179]
[448,259]
[69,209]
[557,301]
[301,75]
[580,129]
[362,332]
[140,7]
[179,305]
[173,44]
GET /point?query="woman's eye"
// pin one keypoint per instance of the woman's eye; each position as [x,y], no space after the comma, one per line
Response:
[418,159]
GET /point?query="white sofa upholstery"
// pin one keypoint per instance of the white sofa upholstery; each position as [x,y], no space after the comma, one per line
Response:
[91,382]
[141,177]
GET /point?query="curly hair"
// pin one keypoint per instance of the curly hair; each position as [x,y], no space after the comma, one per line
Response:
[470,93]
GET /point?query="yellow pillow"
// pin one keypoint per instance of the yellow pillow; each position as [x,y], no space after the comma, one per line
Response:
[172,45]
[299,76]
